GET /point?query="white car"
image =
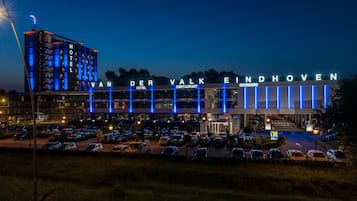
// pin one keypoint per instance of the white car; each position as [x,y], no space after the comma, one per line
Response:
[94,147]
[69,146]
[316,155]
[121,148]
[336,156]
[295,155]
[52,146]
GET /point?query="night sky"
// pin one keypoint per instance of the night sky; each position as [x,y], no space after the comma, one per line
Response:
[176,37]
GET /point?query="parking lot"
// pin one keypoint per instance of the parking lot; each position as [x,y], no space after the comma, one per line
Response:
[129,142]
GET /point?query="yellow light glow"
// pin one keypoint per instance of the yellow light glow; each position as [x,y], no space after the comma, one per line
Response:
[315,131]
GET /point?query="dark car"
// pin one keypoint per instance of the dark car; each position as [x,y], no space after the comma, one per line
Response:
[56,138]
[274,154]
[201,152]
[238,153]
[22,136]
[170,150]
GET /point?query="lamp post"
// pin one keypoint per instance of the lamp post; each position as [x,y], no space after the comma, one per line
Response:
[7,14]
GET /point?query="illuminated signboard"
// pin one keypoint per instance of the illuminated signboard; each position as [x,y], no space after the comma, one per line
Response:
[71,57]
[244,81]
[274,134]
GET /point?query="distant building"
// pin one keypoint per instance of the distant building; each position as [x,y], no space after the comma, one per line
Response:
[56,63]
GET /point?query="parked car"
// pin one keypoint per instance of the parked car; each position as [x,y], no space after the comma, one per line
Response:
[94,147]
[238,153]
[170,150]
[201,152]
[121,148]
[295,155]
[164,140]
[257,154]
[22,136]
[69,146]
[56,138]
[336,156]
[217,141]
[315,155]
[274,154]
[52,146]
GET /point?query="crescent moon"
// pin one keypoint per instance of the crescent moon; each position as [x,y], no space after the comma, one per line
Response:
[33,18]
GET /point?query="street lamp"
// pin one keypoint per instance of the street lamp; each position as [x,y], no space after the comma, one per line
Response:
[7,15]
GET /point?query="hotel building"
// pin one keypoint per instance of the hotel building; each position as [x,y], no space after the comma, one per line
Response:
[63,74]
[56,63]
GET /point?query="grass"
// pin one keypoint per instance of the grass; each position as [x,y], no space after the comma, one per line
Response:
[110,177]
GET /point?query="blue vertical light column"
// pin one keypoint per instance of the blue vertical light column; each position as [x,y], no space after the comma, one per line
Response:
[256,97]
[245,93]
[110,101]
[57,62]
[130,99]
[313,96]
[302,97]
[290,95]
[65,66]
[174,109]
[267,97]
[326,96]
[30,59]
[152,99]
[91,100]
[198,99]
[278,97]
[224,104]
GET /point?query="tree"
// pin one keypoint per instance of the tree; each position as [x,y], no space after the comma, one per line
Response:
[340,115]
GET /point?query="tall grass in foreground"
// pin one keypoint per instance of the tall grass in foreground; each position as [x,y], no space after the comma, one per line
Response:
[101,177]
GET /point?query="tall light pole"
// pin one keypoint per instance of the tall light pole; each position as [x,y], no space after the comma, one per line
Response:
[7,14]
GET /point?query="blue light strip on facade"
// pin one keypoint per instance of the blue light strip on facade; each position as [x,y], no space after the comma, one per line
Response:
[56,76]
[313,97]
[152,99]
[224,105]
[290,93]
[278,97]
[301,91]
[110,101]
[256,97]
[130,99]
[246,98]
[326,96]
[91,100]
[198,99]
[174,110]
[65,66]
[267,97]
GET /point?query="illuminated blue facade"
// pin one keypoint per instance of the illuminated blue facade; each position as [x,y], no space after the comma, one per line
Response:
[56,63]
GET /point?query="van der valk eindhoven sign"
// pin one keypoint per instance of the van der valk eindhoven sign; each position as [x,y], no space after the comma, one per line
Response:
[245,81]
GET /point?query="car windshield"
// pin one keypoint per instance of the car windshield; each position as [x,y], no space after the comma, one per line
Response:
[340,154]
[257,154]
[237,152]
[91,146]
[318,154]
[297,154]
